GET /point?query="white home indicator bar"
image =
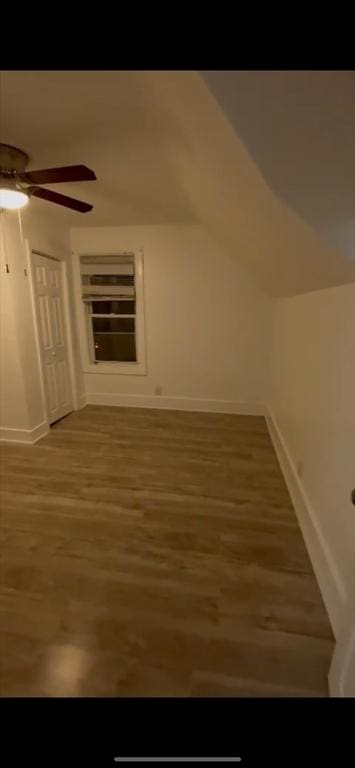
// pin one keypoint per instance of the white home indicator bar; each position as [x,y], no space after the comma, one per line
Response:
[177,759]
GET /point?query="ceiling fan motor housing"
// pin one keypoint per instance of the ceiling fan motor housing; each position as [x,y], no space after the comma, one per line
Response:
[12,160]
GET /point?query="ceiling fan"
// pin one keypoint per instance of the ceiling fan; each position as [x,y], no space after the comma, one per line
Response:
[13,180]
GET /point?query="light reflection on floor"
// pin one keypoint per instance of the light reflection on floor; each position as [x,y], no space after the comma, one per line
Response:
[65,669]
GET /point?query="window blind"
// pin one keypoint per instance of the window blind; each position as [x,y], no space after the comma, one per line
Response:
[107,276]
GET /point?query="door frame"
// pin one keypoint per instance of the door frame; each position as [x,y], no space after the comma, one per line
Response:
[30,252]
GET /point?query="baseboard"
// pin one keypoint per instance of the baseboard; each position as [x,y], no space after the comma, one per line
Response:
[336,674]
[176,403]
[336,690]
[28,436]
[327,574]
[81,402]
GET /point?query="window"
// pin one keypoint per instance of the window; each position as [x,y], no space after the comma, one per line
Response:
[112,296]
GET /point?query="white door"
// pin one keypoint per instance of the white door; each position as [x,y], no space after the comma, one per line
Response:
[48,287]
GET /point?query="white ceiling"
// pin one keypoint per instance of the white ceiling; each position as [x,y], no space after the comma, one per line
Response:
[164,152]
[109,121]
[300,128]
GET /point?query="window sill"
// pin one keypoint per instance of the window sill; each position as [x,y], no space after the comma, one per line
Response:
[127,369]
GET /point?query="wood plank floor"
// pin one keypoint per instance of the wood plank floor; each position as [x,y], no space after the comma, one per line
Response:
[155,553]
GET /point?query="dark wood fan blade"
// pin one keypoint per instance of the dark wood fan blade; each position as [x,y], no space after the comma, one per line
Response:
[55,197]
[58,175]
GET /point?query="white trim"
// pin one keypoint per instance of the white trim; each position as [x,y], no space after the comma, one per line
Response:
[30,266]
[337,671]
[116,369]
[335,683]
[175,403]
[330,582]
[69,333]
[348,668]
[28,436]
[342,669]
[81,402]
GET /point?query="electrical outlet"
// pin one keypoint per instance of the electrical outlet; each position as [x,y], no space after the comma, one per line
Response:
[158,390]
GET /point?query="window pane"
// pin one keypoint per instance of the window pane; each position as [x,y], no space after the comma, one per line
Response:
[113,324]
[111,280]
[113,307]
[111,347]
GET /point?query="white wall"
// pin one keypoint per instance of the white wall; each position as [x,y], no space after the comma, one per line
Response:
[207,323]
[22,406]
[312,399]
[13,403]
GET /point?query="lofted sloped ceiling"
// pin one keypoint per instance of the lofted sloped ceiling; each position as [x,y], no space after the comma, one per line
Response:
[299,126]
[164,152]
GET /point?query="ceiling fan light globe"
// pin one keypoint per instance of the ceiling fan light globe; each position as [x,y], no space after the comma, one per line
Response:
[12,199]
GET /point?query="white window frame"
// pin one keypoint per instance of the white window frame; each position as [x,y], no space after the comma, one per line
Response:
[138,368]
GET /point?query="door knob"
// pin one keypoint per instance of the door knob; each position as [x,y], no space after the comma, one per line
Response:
[54,354]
